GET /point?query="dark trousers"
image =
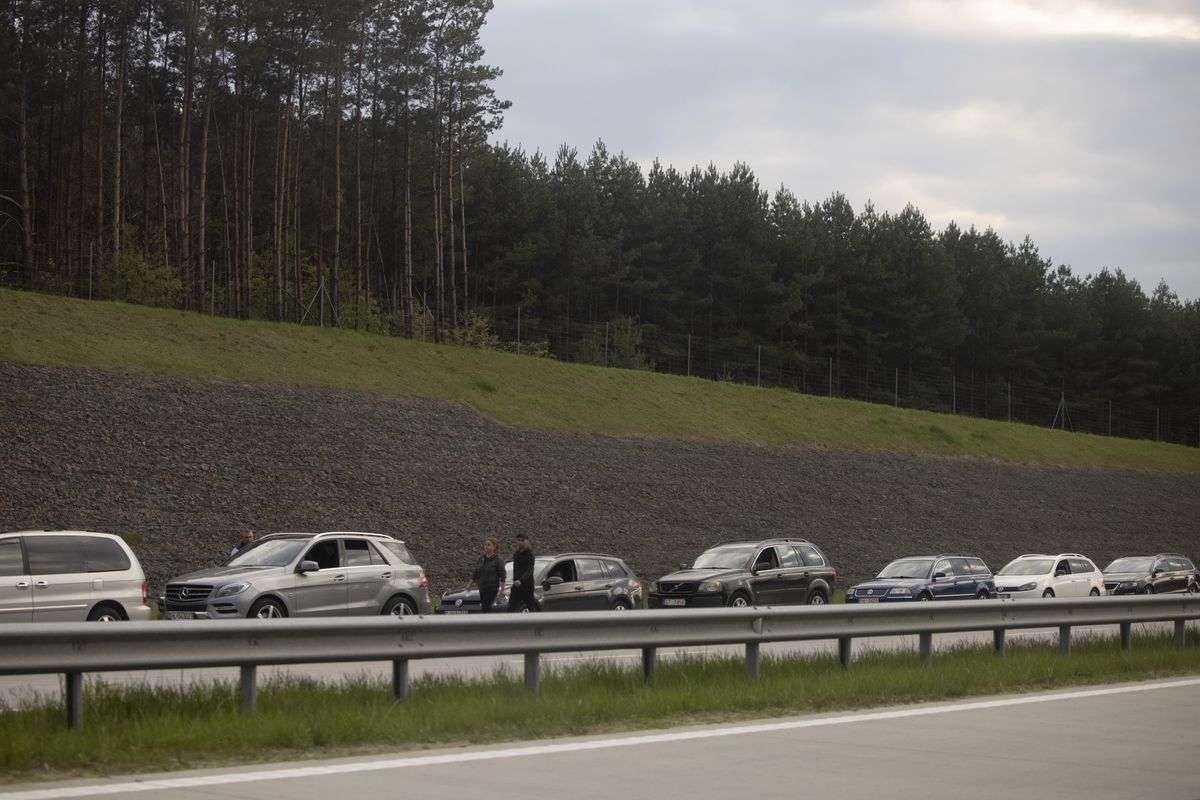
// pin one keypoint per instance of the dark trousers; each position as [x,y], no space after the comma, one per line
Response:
[486,598]
[522,598]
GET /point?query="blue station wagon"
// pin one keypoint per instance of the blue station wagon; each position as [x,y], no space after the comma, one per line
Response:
[942,577]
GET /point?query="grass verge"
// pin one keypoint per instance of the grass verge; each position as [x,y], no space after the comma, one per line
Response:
[140,729]
[525,391]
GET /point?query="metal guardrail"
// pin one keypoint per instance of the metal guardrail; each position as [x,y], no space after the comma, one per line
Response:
[74,649]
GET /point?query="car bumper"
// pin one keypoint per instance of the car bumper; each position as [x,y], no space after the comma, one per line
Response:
[686,601]
[880,599]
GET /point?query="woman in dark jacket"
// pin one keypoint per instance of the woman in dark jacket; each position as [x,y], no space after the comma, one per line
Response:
[488,575]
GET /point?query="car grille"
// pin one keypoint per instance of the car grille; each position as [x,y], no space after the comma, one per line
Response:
[1111,585]
[187,594]
[671,587]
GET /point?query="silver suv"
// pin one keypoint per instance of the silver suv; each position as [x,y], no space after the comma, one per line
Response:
[331,574]
[69,576]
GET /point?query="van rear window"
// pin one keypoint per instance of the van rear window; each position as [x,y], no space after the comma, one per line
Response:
[104,555]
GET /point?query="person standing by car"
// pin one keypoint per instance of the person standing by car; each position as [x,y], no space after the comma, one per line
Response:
[243,542]
[521,598]
[488,575]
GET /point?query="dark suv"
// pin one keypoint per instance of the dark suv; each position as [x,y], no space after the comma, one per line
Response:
[773,572]
[1165,572]
[563,582]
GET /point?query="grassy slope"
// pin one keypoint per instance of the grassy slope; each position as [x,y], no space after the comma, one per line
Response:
[523,391]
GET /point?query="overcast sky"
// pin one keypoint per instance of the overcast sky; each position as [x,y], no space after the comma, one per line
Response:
[1075,123]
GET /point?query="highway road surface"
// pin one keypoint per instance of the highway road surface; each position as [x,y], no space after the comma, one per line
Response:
[1127,741]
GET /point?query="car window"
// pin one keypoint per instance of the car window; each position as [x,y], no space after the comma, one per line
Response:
[54,555]
[766,559]
[1163,565]
[962,567]
[399,550]
[589,569]
[945,567]
[325,554]
[812,557]
[1081,566]
[978,565]
[359,553]
[788,557]
[11,562]
[1186,564]
[564,570]
[1062,568]
[614,569]
[1175,565]
[104,555]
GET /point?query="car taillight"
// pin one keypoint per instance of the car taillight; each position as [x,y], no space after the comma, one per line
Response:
[424,581]
[145,594]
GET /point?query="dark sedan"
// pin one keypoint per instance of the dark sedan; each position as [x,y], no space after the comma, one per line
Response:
[944,577]
[1165,572]
[564,582]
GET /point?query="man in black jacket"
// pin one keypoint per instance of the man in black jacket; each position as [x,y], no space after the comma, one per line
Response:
[488,575]
[522,597]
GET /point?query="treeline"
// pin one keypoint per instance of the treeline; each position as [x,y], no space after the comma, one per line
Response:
[244,157]
[327,162]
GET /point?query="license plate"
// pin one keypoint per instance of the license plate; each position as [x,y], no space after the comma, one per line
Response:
[455,611]
[1003,595]
[179,615]
[674,601]
[868,599]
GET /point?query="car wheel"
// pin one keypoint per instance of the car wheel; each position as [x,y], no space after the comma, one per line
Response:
[925,597]
[267,608]
[1148,590]
[817,599]
[105,613]
[983,595]
[1048,593]
[1194,588]
[1094,592]
[738,600]
[399,607]
[621,604]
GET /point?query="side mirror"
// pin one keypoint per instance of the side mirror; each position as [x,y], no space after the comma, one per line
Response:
[937,576]
[308,566]
[685,566]
[1060,572]
[553,580]
[1156,573]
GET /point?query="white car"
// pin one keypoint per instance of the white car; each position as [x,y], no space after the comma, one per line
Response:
[1038,575]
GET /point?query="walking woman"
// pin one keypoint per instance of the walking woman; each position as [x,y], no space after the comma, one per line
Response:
[488,575]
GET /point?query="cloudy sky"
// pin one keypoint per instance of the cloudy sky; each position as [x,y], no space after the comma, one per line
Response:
[1076,123]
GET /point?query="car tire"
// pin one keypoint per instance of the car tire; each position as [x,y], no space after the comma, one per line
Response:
[817,598]
[105,613]
[1094,592]
[621,604]
[983,595]
[1048,593]
[1148,590]
[738,600]
[925,597]
[398,607]
[267,608]
[1194,588]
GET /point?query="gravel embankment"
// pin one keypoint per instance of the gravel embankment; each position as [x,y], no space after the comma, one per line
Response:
[184,463]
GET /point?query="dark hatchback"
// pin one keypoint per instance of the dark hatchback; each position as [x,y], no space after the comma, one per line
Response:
[942,577]
[772,572]
[1165,572]
[564,582]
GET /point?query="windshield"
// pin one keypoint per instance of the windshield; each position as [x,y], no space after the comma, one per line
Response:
[907,568]
[1130,565]
[269,553]
[1028,566]
[733,556]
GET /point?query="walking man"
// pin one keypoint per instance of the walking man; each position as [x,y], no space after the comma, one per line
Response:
[488,575]
[522,598]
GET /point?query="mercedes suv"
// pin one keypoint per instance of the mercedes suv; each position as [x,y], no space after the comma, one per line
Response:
[765,573]
[304,575]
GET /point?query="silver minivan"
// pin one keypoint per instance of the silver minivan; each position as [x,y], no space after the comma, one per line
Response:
[333,574]
[69,576]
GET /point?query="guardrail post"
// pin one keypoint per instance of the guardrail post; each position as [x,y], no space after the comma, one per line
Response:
[1064,640]
[926,645]
[532,668]
[1126,636]
[752,660]
[998,641]
[400,679]
[249,686]
[649,657]
[844,651]
[74,693]
[1180,631]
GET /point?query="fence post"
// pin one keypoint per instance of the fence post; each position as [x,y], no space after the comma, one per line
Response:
[1180,633]
[74,692]
[1064,640]
[532,670]
[1126,635]
[998,641]
[649,658]
[400,679]
[752,660]
[926,647]
[844,651]
[249,687]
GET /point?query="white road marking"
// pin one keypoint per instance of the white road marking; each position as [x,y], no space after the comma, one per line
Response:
[634,740]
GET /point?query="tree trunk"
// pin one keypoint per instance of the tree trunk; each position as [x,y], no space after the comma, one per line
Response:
[98,234]
[27,269]
[118,123]
[202,198]
[190,285]
[334,289]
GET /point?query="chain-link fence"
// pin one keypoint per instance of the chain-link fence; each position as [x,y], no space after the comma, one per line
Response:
[609,344]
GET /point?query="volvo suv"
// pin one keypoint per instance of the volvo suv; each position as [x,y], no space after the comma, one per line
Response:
[764,573]
[331,574]
[69,576]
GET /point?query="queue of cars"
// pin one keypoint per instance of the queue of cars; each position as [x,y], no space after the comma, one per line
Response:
[86,575]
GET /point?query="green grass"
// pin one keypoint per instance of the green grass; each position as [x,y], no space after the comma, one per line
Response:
[528,392]
[140,729]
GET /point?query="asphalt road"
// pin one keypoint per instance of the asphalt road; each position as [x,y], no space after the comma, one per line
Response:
[1126,741]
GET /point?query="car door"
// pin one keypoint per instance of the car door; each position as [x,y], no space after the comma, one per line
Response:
[1176,577]
[943,579]
[368,577]
[62,587]
[766,579]
[16,586]
[965,579]
[1084,574]
[794,576]
[1061,582]
[323,593]
[594,583]
[564,594]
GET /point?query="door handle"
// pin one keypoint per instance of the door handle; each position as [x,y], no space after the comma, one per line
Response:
[41,584]
[579,588]
[23,585]
[337,578]
[385,576]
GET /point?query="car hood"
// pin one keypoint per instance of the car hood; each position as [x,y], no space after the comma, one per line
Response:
[888,583]
[226,573]
[1125,576]
[699,575]
[461,594]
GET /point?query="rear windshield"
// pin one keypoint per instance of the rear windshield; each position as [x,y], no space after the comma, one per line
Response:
[269,553]
[907,568]
[734,556]
[1028,566]
[398,550]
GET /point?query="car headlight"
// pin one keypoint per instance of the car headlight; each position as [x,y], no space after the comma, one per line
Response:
[900,590]
[232,589]
[1027,587]
[1128,584]
[850,592]
[711,586]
